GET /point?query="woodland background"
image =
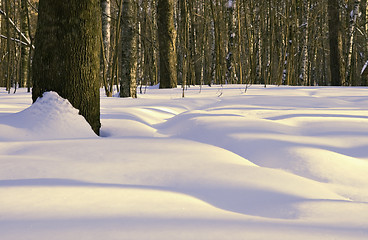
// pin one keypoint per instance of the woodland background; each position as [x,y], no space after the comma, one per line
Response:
[216,42]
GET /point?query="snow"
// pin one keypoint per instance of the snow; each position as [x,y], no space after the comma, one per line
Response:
[51,117]
[230,4]
[271,163]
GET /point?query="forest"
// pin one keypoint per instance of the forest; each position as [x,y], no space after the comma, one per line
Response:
[272,42]
[183,119]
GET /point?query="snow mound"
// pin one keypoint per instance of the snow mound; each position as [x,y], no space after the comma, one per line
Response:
[50,117]
[51,103]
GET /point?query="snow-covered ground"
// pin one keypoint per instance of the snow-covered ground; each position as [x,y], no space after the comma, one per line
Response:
[276,163]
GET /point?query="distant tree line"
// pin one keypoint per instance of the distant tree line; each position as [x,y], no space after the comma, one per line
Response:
[289,42]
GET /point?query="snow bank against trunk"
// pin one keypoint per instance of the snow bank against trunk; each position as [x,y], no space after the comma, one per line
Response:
[50,117]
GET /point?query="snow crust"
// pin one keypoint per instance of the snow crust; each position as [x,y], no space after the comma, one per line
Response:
[271,163]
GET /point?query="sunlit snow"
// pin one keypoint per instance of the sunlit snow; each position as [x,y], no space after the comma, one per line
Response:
[269,163]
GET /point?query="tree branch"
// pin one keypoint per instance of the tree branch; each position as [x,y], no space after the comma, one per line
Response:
[16,28]
[15,40]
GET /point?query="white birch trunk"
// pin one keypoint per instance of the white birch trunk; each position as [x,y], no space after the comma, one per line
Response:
[354,14]
[106,27]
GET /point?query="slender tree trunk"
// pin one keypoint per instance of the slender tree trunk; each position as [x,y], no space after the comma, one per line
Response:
[272,42]
[230,74]
[31,39]
[128,83]
[240,51]
[249,28]
[2,47]
[366,23]
[218,65]
[167,46]
[8,46]
[106,42]
[67,55]
[365,77]
[149,68]
[106,27]
[24,49]
[353,19]
[113,67]
[283,61]
[207,47]
[335,43]
[184,41]
[194,66]
[305,57]
[259,20]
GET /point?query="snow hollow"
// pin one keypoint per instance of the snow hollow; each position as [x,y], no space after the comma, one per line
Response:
[272,163]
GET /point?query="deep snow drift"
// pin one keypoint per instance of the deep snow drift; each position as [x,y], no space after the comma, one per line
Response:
[274,163]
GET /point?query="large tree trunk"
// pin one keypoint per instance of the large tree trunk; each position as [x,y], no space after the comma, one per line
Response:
[335,43]
[67,51]
[128,83]
[166,39]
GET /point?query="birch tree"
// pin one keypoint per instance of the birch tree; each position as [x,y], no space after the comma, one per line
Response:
[354,14]
[106,27]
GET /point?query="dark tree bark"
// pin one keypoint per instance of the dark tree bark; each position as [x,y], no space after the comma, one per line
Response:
[24,71]
[8,73]
[230,64]
[67,58]
[128,83]
[184,41]
[335,43]
[166,39]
